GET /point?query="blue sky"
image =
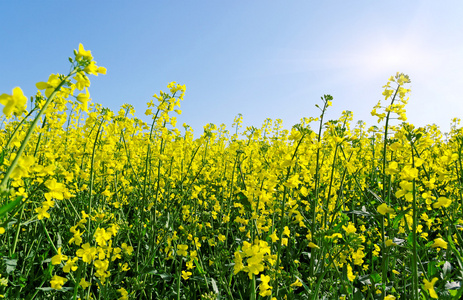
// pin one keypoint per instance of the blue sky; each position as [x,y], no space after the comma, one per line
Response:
[263,59]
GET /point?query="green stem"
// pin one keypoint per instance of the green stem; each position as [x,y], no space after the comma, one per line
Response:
[91,179]
[385,260]
[31,130]
[314,203]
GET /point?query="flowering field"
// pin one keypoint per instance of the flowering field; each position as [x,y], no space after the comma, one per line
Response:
[100,205]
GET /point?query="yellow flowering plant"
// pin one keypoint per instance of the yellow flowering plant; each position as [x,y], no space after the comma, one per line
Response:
[97,204]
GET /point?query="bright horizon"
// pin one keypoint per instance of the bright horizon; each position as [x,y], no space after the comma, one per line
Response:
[261,59]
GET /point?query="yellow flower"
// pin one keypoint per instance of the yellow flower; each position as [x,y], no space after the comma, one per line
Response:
[312,245]
[186,275]
[350,228]
[82,53]
[56,190]
[286,231]
[77,239]
[387,93]
[3,281]
[392,169]
[57,282]
[265,288]
[82,81]
[350,274]
[390,243]
[182,250]
[255,265]
[429,286]
[296,284]
[334,236]
[127,249]
[442,201]
[124,294]
[101,236]
[84,284]
[389,297]
[221,238]
[409,173]
[2,230]
[42,212]
[87,253]
[274,236]
[23,168]
[70,265]
[384,209]
[358,257]
[124,267]
[56,260]
[439,243]
[49,86]
[14,103]
[84,99]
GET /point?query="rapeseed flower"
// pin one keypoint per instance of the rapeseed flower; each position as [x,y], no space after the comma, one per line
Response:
[57,282]
[439,243]
[429,286]
[56,260]
[264,287]
[384,209]
[186,275]
[14,103]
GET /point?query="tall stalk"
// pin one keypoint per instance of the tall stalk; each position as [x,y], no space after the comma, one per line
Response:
[314,203]
[385,256]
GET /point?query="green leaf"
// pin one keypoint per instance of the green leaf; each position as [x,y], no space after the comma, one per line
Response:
[49,289]
[432,270]
[214,286]
[10,206]
[447,268]
[10,264]
[165,277]
[244,201]
[148,271]
[375,277]
[198,266]
[363,213]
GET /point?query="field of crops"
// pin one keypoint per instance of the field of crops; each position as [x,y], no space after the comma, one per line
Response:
[100,205]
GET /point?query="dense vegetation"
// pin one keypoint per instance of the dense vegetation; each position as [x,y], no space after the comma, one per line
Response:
[100,205]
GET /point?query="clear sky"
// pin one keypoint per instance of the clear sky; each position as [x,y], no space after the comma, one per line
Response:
[263,59]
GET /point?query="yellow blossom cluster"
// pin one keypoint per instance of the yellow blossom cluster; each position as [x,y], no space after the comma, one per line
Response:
[100,204]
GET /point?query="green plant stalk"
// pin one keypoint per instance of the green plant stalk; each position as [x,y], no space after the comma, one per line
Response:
[179,273]
[31,130]
[40,136]
[17,128]
[148,161]
[385,256]
[48,236]
[230,195]
[333,167]
[4,182]
[282,223]
[253,287]
[317,183]
[415,247]
[18,226]
[90,199]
